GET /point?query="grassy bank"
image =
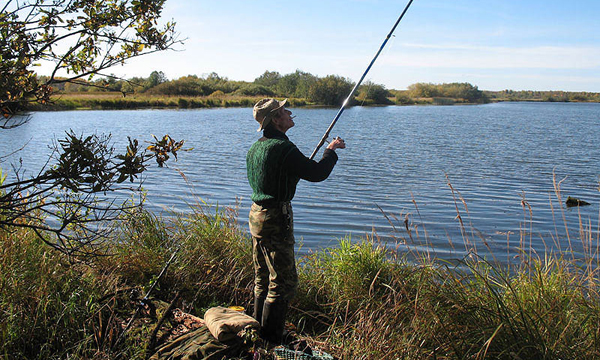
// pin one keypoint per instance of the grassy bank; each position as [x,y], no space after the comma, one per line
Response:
[356,300]
[116,101]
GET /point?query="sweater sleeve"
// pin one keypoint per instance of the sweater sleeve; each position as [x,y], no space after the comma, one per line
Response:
[298,164]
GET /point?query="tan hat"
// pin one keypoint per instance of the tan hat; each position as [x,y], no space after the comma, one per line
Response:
[265,109]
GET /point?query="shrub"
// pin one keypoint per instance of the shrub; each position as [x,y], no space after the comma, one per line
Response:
[254,90]
[183,103]
[330,90]
[217,93]
[372,93]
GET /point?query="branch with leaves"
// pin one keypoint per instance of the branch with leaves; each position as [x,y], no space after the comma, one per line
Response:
[80,37]
[66,203]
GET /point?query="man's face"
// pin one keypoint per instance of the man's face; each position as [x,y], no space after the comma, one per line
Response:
[284,120]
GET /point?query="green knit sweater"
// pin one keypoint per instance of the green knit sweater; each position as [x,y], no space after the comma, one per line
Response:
[266,174]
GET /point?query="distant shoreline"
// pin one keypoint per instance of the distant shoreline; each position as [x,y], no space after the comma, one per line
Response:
[116,101]
[300,88]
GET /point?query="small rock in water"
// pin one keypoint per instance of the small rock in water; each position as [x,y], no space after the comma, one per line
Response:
[571,201]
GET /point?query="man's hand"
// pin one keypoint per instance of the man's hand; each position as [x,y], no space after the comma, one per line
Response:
[337,143]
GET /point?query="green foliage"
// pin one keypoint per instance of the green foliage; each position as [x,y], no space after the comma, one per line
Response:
[550,96]
[254,90]
[286,86]
[159,148]
[457,91]
[370,93]
[82,38]
[84,164]
[330,90]
[156,78]
[268,79]
[192,85]
[53,308]
[304,83]
[304,87]
[369,302]
[443,101]
[186,86]
[402,97]
[183,103]
[217,94]
[64,204]
[213,265]
[359,299]
[17,79]
[297,84]
[48,304]
[348,274]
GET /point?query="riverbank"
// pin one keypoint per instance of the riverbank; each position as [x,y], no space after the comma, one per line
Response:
[116,101]
[356,300]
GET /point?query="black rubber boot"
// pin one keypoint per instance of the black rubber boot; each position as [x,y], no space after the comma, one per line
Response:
[259,303]
[273,321]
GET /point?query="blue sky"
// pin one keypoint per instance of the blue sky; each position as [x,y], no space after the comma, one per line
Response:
[495,44]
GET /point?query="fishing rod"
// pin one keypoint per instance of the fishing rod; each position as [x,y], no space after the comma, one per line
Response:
[324,138]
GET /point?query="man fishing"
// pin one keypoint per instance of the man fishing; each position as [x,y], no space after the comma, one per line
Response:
[275,165]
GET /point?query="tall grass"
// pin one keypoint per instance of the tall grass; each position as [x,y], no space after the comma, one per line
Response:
[45,301]
[51,307]
[362,304]
[359,299]
[363,300]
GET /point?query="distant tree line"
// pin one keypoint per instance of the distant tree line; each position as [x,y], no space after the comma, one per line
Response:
[330,90]
[550,96]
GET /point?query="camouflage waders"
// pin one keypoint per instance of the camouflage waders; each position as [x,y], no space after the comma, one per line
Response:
[275,277]
[273,242]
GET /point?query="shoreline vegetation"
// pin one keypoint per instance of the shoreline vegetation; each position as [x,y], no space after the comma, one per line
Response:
[301,88]
[358,300]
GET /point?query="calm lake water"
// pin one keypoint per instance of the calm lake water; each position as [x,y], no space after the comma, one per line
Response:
[397,162]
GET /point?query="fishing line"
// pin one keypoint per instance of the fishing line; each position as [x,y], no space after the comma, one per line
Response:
[326,135]
[370,81]
[367,94]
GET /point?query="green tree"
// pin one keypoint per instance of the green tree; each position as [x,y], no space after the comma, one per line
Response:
[458,91]
[186,85]
[268,79]
[423,90]
[156,78]
[132,85]
[374,93]
[81,38]
[402,97]
[287,84]
[65,203]
[254,90]
[213,82]
[330,90]
[296,84]
[305,82]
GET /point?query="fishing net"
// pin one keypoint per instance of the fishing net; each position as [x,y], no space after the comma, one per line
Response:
[283,353]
